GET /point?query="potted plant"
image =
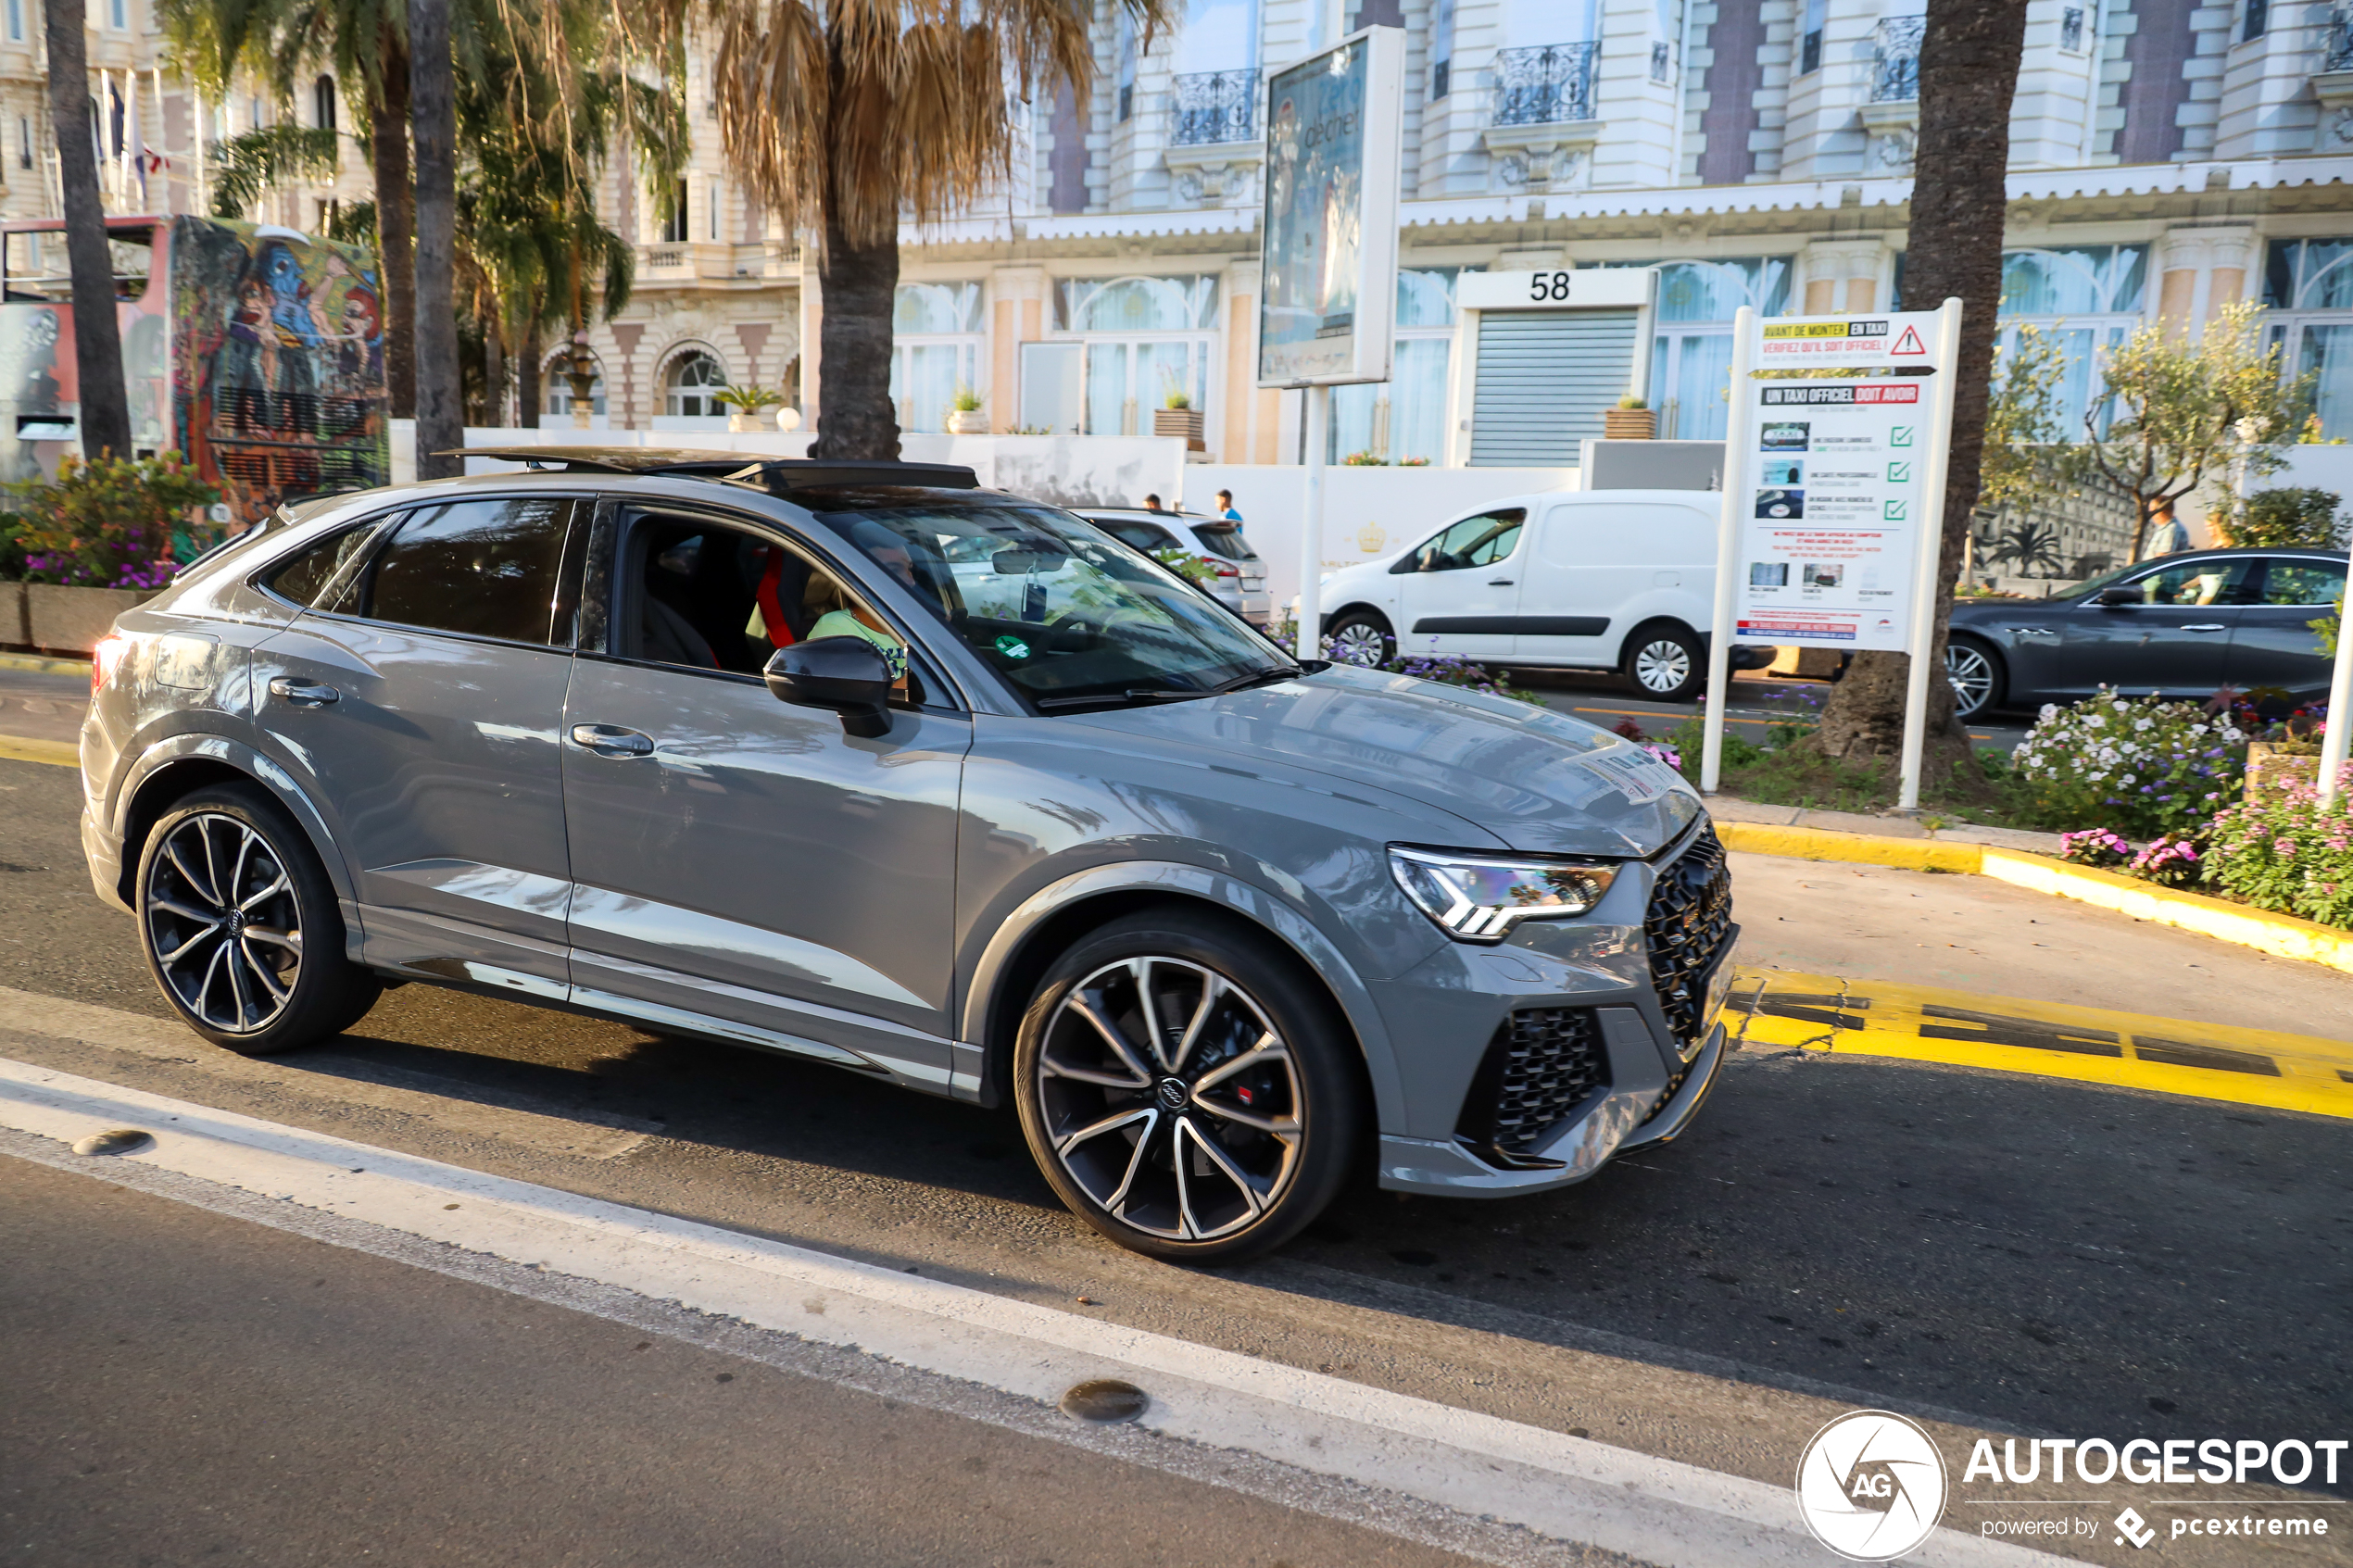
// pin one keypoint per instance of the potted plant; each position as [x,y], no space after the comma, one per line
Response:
[105,536]
[1632,419]
[965,416]
[1176,416]
[747,402]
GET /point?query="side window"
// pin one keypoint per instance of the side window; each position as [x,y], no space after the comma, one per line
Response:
[2224,581]
[1474,541]
[312,573]
[1143,536]
[482,567]
[698,594]
[2303,584]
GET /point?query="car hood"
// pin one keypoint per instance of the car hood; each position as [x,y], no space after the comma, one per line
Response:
[1533,779]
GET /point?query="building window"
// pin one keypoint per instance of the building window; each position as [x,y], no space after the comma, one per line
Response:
[556,386]
[15,21]
[24,142]
[690,389]
[1403,420]
[1124,67]
[2307,285]
[1441,50]
[936,345]
[118,15]
[1809,47]
[2258,17]
[323,103]
[2071,29]
[1691,346]
[674,216]
[1143,338]
[2086,299]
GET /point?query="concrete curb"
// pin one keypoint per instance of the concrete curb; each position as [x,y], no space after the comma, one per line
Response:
[41,664]
[2281,936]
[56,753]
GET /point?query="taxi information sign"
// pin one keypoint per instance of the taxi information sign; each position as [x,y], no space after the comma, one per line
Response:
[1833,426]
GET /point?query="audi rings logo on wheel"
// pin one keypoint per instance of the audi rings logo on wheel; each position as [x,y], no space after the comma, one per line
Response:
[1871,1485]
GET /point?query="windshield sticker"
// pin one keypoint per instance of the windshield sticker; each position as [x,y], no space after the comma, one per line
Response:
[1013,647]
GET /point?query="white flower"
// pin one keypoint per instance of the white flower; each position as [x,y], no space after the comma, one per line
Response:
[2145,723]
[2095,722]
[2124,778]
[2050,712]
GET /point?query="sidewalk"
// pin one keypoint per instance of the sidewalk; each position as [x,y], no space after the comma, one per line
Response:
[1725,809]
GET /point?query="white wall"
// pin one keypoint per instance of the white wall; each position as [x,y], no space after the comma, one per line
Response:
[1368,512]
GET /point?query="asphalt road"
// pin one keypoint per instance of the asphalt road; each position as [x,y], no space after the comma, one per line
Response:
[2016,1253]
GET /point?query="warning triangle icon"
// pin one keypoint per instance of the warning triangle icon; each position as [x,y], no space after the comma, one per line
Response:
[1908,343]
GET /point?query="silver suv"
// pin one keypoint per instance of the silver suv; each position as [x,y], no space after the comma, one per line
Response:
[1236,578]
[865,765]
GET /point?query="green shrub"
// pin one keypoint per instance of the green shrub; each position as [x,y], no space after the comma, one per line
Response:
[2142,766]
[2285,851]
[113,523]
[2290,518]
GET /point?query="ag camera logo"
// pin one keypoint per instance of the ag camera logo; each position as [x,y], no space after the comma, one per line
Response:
[1871,1485]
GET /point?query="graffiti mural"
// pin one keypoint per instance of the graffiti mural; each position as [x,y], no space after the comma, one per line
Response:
[278,363]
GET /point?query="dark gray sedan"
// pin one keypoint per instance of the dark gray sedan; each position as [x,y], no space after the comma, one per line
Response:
[2181,625]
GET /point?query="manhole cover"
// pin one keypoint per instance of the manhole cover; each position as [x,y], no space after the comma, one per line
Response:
[115,1140]
[1105,1399]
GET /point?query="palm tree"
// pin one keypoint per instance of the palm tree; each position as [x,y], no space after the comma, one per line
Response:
[848,115]
[97,341]
[1968,72]
[433,122]
[2029,546]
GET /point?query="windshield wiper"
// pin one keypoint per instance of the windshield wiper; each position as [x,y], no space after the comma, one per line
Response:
[1263,678]
[1152,695]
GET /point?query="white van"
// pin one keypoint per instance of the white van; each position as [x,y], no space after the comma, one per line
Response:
[1621,580]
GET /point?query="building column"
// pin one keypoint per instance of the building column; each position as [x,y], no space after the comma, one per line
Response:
[625,336]
[812,316]
[1016,315]
[1843,277]
[2204,269]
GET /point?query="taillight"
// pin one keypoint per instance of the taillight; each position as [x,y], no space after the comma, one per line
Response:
[104,657]
[1225,570]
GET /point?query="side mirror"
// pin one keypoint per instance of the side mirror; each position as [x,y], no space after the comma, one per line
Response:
[2110,597]
[847,676]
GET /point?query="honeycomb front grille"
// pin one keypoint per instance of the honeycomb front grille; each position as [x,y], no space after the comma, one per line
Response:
[1541,1065]
[1688,925]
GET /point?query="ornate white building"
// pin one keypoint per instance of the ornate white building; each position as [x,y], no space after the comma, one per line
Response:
[2166,157]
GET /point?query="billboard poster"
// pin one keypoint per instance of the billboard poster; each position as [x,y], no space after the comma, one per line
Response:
[278,363]
[1837,426]
[1333,150]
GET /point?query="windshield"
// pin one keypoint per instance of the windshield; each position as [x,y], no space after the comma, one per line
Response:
[1070,616]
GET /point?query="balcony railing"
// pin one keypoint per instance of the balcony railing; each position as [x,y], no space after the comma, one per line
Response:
[1545,85]
[2340,39]
[1895,59]
[1214,106]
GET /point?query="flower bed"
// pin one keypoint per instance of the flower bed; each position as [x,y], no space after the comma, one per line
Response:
[2143,768]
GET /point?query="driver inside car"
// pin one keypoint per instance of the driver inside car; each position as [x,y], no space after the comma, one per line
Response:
[849,617]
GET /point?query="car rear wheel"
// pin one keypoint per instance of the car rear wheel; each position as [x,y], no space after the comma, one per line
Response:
[1187,1092]
[240,928]
[1360,636]
[1666,661]
[1976,674]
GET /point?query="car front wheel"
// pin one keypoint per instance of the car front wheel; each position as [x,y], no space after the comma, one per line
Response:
[1666,661]
[240,928]
[1976,677]
[1185,1091]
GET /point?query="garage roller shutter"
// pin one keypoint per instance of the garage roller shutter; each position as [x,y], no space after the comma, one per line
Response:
[1545,379]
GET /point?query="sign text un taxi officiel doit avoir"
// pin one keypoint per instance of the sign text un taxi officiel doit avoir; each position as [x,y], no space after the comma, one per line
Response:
[1836,430]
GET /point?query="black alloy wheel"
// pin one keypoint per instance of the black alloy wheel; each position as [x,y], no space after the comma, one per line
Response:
[240,928]
[1185,1091]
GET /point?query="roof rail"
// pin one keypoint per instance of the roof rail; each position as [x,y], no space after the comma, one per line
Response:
[776,474]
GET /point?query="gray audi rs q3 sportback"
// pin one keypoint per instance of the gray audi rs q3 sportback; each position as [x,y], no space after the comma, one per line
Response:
[864,764]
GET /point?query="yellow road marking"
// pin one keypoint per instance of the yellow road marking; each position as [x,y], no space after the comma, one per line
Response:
[56,753]
[1778,1009]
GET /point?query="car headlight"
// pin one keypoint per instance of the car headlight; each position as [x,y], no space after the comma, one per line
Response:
[1481,898]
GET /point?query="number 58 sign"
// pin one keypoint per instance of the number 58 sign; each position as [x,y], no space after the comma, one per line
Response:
[1584,288]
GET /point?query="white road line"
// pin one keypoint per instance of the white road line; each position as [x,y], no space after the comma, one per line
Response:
[446,1102]
[1572,1489]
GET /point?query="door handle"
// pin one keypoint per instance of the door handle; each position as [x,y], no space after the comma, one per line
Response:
[1499,582]
[612,740]
[302,693]
[2209,626]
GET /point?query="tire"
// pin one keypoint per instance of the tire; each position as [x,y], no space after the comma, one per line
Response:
[1360,636]
[277,977]
[1975,670]
[1666,661]
[1266,1147]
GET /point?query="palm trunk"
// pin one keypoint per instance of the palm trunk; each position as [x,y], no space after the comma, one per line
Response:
[527,378]
[493,375]
[396,226]
[1968,72]
[97,342]
[441,426]
[856,419]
